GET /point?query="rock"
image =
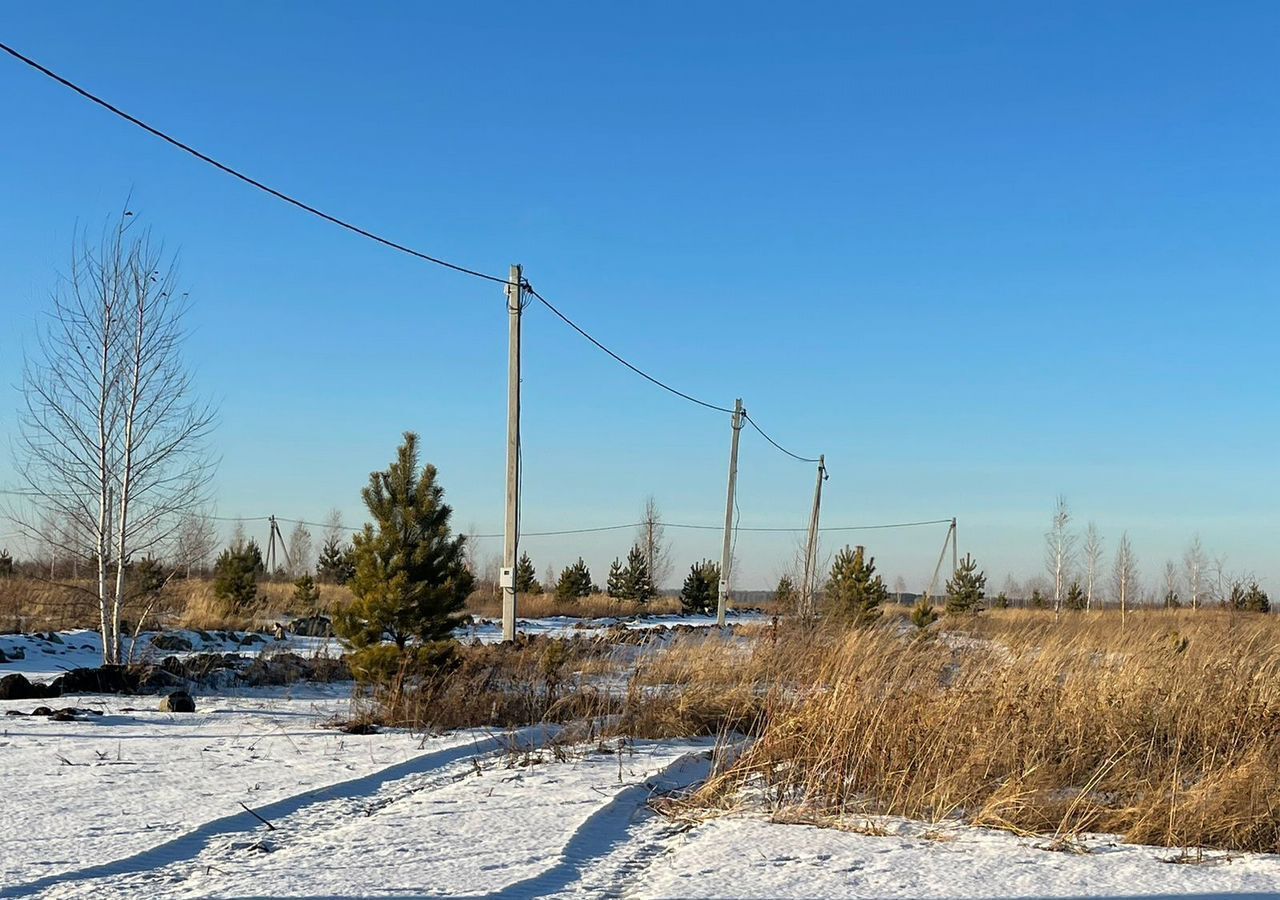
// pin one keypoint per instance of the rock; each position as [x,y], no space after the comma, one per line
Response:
[3,658]
[171,642]
[251,638]
[102,680]
[312,626]
[277,632]
[16,687]
[42,711]
[178,702]
[17,653]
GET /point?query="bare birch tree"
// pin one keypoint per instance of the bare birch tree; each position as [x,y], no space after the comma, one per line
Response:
[1196,564]
[110,435]
[1059,551]
[1092,561]
[1171,598]
[650,537]
[1124,575]
[333,531]
[300,550]
[197,538]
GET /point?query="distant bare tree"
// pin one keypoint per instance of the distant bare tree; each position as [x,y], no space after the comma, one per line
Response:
[1059,551]
[650,537]
[1196,565]
[1124,575]
[333,530]
[300,550]
[1092,561]
[196,540]
[110,435]
[1171,597]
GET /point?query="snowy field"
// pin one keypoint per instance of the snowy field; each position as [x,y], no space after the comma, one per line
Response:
[140,803]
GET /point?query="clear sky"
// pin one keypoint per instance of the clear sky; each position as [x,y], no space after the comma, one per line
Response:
[978,254]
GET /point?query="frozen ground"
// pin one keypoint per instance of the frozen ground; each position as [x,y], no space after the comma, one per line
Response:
[41,657]
[138,803]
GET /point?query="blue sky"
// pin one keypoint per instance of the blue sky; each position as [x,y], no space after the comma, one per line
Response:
[978,254]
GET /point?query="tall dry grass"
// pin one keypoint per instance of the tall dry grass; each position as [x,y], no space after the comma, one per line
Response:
[31,604]
[1166,731]
[595,606]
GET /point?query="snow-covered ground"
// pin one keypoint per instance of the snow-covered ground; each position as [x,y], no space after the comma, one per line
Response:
[138,803]
[42,657]
[45,656]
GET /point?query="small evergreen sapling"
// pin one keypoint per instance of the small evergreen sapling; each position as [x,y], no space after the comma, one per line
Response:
[235,574]
[1075,598]
[305,593]
[785,594]
[575,582]
[411,579]
[966,588]
[617,583]
[701,588]
[923,614]
[335,564]
[636,578]
[854,590]
[1000,601]
[1038,600]
[527,576]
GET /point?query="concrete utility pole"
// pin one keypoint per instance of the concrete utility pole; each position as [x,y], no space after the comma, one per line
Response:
[726,555]
[955,552]
[507,577]
[811,550]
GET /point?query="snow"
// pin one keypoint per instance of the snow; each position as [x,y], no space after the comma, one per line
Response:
[489,631]
[139,803]
[44,659]
[147,804]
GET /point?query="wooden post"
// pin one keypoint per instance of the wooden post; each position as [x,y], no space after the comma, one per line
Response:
[811,550]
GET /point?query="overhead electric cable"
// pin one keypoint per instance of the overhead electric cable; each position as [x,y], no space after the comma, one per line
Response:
[803,459]
[235,173]
[643,374]
[363,232]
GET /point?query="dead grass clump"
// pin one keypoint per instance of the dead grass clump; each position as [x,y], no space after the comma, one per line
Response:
[595,606]
[447,685]
[1167,731]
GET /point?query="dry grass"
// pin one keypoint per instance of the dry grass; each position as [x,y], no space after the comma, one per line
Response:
[596,606]
[29,604]
[1167,731]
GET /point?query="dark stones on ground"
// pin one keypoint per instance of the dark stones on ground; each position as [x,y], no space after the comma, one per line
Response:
[16,687]
[171,642]
[312,626]
[178,702]
[66,714]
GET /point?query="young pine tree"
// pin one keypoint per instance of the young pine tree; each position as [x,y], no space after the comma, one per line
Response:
[617,586]
[410,580]
[923,614]
[1075,598]
[1000,601]
[305,593]
[527,576]
[235,574]
[335,564]
[785,595]
[966,588]
[636,577]
[701,588]
[1249,598]
[1038,600]
[854,590]
[575,582]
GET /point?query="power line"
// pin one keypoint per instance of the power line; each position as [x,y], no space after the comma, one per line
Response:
[803,459]
[721,528]
[643,374]
[235,173]
[363,232]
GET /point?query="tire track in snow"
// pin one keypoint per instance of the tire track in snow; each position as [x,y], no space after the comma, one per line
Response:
[189,846]
[607,831]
